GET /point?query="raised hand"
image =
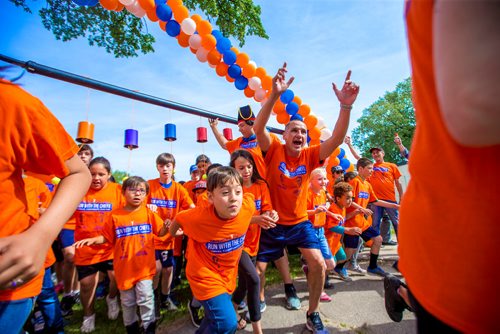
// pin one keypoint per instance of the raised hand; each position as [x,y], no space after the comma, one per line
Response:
[279,84]
[349,92]
[213,122]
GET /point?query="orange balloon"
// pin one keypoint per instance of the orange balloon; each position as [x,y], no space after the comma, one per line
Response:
[109,4]
[120,7]
[248,70]
[193,50]
[221,69]
[214,57]
[336,152]
[249,92]
[152,15]
[283,118]
[235,50]
[267,82]
[311,122]
[183,39]
[279,107]
[314,133]
[350,168]
[260,72]
[228,78]
[297,100]
[175,4]
[314,142]
[180,13]
[195,17]
[242,59]
[204,27]
[162,25]
[147,5]
[208,41]
[304,110]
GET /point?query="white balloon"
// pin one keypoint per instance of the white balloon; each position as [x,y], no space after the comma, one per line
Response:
[254,83]
[126,2]
[188,26]
[201,54]
[195,41]
[325,134]
[321,123]
[253,63]
[260,94]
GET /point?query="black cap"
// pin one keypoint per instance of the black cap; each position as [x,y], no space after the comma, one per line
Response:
[245,114]
[376,149]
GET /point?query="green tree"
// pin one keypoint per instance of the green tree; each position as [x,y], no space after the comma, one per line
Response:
[123,34]
[119,175]
[390,114]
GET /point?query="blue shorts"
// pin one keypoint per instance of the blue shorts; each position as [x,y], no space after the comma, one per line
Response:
[66,237]
[274,240]
[352,241]
[166,257]
[323,244]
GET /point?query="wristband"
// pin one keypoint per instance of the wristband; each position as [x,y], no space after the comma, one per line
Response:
[346,106]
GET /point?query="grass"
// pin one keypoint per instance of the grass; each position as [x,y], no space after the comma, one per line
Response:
[182,294]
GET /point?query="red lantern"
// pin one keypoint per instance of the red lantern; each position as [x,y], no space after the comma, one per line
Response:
[228,133]
[201,134]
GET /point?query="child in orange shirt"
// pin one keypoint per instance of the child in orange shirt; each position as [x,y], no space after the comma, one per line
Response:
[342,194]
[34,140]
[170,198]
[131,231]
[264,217]
[91,215]
[216,237]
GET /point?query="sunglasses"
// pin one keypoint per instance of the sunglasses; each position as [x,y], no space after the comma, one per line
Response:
[339,172]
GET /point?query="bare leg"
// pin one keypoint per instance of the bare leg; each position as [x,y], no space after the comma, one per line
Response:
[261,271]
[316,276]
[87,294]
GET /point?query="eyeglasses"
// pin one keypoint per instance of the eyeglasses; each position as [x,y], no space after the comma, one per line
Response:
[135,190]
[339,172]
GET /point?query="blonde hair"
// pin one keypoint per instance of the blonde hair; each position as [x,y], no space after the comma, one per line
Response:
[319,170]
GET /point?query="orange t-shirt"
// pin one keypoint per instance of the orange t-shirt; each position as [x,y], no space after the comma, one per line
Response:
[132,236]
[262,197]
[439,213]
[91,215]
[202,200]
[313,201]
[189,185]
[169,202]
[288,180]
[214,247]
[33,140]
[363,195]
[334,239]
[382,180]
[250,144]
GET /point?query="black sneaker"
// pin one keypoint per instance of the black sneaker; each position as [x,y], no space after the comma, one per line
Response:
[196,314]
[394,303]
[314,324]
[67,303]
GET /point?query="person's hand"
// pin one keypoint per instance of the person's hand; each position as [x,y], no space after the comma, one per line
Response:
[337,217]
[319,209]
[349,92]
[213,122]
[167,223]
[352,231]
[273,214]
[84,242]
[279,84]
[21,258]
[264,221]
[366,212]
[347,140]
[152,207]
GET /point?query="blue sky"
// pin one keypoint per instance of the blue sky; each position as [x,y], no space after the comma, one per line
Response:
[319,39]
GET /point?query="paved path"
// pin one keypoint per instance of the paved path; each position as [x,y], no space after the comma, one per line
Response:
[357,307]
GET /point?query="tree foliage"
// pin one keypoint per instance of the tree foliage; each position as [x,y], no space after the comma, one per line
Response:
[119,175]
[390,114]
[123,34]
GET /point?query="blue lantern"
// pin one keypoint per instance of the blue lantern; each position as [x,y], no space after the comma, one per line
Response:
[170,132]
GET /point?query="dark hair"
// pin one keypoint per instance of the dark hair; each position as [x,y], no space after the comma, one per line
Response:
[165,158]
[133,182]
[202,158]
[213,167]
[340,189]
[246,155]
[363,162]
[221,176]
[349,176]
[103,161]
[85,147]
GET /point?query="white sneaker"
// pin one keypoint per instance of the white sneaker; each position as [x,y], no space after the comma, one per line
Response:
[88,324]
[356,268]
[113,308]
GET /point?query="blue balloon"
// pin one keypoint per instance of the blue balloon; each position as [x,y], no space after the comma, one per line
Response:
[341,154]
[241,82]
[298,117]
[217,34]
[234,71]
[308,138]
[164,12]
[81,2]
[223,44]
[344,163]
[173,28]
[292,108]
[287,96]
[229,57]
[159,2]
[92,3]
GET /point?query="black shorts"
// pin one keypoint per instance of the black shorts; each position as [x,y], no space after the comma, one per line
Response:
[84,271]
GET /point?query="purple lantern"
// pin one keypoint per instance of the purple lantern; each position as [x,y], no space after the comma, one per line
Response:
[131,139]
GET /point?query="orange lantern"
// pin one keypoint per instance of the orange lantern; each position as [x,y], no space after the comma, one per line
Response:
[85,133]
